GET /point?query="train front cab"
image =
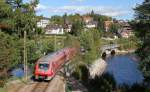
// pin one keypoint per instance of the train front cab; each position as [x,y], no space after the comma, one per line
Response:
[43,71]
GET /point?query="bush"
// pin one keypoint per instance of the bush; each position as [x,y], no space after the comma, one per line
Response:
[133,88]
[2,81]
[81,73]
[104,83]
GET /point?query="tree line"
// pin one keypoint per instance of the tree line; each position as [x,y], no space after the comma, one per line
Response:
[15,18]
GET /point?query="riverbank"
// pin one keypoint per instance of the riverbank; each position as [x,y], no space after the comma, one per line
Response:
[125,51]
[97,68]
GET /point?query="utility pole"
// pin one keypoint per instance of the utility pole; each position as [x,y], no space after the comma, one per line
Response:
[55,42]
[25,56]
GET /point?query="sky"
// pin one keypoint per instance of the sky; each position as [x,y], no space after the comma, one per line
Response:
[119,9]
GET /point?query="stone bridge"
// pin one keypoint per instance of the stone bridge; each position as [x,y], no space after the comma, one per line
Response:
[109,49]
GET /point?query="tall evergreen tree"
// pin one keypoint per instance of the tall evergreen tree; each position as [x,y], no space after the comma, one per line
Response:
[142,29]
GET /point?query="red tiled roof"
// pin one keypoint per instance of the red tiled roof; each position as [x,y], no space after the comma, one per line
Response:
[4,26]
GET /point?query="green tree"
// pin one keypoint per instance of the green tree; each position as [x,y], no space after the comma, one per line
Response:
[77,27]
[89,40]
[6,17]
[57,20]
[9,54]
[142,29]
[73,41]
[114,28]
[22,17]
[15,3]
[74,18]
[15,18]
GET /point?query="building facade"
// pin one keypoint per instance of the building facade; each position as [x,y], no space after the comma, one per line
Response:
[54,29]
[43,22]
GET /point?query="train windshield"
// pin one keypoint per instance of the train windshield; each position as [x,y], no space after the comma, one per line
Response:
[43,66]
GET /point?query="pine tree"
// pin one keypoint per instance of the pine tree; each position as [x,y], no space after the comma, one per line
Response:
[142,28]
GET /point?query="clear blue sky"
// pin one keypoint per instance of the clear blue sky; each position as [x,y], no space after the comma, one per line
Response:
[120,9]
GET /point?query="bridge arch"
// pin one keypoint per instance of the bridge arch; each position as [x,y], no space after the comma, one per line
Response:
[107,53]
[109,50]
[113,52]
[104,55]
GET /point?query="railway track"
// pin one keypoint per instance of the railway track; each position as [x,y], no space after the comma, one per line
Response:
[43,86]
[57,84]
[40,87]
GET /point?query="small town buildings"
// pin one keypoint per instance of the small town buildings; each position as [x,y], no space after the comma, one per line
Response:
[54,29]
[43,22]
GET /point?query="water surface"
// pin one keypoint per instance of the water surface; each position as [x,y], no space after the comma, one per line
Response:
[124,69]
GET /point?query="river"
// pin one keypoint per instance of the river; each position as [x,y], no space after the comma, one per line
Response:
[124,69]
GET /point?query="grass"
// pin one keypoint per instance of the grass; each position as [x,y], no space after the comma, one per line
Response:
[2,89]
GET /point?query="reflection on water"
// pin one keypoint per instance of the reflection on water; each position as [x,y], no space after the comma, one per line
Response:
[124,69]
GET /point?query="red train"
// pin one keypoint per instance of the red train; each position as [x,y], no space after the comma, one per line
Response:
[47,66]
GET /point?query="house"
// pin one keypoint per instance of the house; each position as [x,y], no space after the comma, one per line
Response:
[4,26]
[107,25]
[54,29]
[43,22]
[126,30]
[92,24]
[87,19]
[89,22]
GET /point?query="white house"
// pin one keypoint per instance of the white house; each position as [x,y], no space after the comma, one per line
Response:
[54,29]
[43,22]
[91,24]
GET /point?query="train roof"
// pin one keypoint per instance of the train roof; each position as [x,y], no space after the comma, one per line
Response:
[48,56]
